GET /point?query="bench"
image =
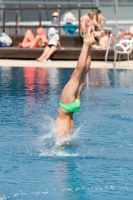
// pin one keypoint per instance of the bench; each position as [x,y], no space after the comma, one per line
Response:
[72,50]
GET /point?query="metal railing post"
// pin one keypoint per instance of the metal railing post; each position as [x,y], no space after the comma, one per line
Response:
[108,48]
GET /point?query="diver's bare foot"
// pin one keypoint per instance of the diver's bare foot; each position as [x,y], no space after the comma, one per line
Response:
[89,37]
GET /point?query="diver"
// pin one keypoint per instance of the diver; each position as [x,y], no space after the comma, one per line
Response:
[70,96]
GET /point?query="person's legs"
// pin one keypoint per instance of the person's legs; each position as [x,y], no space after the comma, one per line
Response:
[26,45]
[70,90]
[96,47]
[50,52]
[29,37]
[46,50]
[81,82]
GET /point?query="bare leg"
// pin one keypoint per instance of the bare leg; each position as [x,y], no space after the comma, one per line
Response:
[81,82]
[44,54]
[98,47]
[26,45]
[50,52]
[28,39]
[70,90]
[64,123]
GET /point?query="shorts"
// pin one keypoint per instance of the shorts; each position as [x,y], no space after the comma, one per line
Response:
[51,45]
[70,107]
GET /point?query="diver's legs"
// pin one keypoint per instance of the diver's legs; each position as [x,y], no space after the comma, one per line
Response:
[69,91]
[81,82]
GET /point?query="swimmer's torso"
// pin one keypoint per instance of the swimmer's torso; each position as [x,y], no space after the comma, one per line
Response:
[84,18]
[103,40]
[63,123]
[88,22]
[91,23]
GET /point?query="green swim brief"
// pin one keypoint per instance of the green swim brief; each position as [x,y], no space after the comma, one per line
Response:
[81,35]
[70,107]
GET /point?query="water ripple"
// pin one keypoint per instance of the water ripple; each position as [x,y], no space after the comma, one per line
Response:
[121,117]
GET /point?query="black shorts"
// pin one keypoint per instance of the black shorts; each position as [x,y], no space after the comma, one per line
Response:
[51,45]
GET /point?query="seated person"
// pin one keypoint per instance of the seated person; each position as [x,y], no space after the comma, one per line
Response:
[69,27]
[53,40]
[31,41]
[55,19]
[5,40]
[103,40]
[69,15]
[88,20]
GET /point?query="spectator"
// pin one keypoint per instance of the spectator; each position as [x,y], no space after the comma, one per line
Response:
[69,16]
[31,41]
[69,27]
[55,20]
[5,40]
[100,18]
[88,20]
[53,40]
[103,39]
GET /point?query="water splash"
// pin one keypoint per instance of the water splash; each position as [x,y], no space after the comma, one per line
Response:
[49,145]
[2,198]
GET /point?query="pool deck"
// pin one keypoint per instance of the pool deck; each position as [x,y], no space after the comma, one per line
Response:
[64,64]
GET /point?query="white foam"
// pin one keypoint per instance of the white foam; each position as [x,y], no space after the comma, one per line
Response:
[50,145]
[58,153]
[2,198]
[65,140]
[71,136]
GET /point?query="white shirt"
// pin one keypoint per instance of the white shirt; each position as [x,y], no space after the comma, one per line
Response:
[69,15]
[53,38]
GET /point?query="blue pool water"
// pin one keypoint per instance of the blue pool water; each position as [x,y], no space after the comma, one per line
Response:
[96,164]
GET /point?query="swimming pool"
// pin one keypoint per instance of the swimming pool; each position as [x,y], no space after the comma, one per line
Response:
[97,164]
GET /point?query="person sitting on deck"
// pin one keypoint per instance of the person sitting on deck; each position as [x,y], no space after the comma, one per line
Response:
[55,19]
[53,40]
[103,40]
[31,41]
[88,20]
[69,26]
[5,40]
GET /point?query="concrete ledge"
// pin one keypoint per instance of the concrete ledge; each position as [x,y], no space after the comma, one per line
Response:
[65,64]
